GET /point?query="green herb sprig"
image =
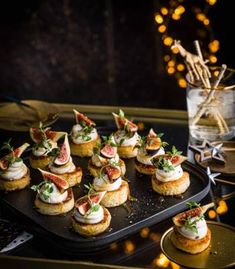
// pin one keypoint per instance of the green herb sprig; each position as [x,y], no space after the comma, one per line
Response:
[93,207]
[11,158]
[45,191]
[85,132]
[162,164]
[191,224]
[174,152]
[192,204]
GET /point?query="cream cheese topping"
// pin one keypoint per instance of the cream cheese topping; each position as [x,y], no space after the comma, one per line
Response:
[103,184]
[69,167]
[146,159]
[43,151]
[55,196]
[165,176]
[90,218]
[80,139]
[15,171]
[201,227]
[100,161]
[120,137]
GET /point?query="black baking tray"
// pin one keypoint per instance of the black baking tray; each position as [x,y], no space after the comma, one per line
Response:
[150,208]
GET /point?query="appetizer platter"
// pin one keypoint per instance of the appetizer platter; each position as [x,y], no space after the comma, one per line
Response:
[96,184]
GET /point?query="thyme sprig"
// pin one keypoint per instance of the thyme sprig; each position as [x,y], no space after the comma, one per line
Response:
[44,188]
[174,152]
[190,223]
[10,158]
[163,164]
[85,132]
[192,204]
[93,207]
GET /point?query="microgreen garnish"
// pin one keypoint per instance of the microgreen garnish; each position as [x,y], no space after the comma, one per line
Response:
[45,143]
[191,224]
[109,140]
[11,158]
[85,132]
[44,188]
[192,204]
[93,206]
[163,164]
[174,152]
[121,113]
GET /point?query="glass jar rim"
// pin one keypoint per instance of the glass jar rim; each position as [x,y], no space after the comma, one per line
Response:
[228,73]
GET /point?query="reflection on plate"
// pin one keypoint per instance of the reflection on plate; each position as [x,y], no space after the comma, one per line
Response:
[17,117]
[220,253]
[228,169]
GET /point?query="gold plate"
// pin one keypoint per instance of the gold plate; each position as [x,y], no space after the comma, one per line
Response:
[17,117]
[220,253]
[227,169]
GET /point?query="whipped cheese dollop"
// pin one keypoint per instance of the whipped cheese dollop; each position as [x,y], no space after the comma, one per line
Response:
[164,175]
[103,184]
[69,167]
[122,139]
[100,161]
[15,171]
[55,196]
[146,159]
[201,227]
[90,218]
[79,137]
[43,151]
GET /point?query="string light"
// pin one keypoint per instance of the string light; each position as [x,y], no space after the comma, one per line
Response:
[174,11]
[211,2]
[158,18]
[212,214]
[214,46]
[182,83]
[168,41]
[167,58]
[144,232]
[212,59]
[162,28]
[171,70]
[129,247]
[180,67]
[164,11]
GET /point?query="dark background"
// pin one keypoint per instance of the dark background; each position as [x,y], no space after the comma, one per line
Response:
[100,52]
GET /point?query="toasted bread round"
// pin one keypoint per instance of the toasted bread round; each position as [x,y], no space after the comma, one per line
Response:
[95,171]
[15,184]
[144,168]
[73,178]
[189,245]
[175,187]
[39,162]
[127,152]
[55,209]
[92,229]
[84,150]
[117,197]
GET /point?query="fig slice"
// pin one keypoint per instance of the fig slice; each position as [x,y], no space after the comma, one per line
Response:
[64,154]
[61,183]
[36,134]
[122,122]
[180,218]
[83,204]
[81,117]
[177,160]
[108,151]
[112,172]
[153,141]
[4,163]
